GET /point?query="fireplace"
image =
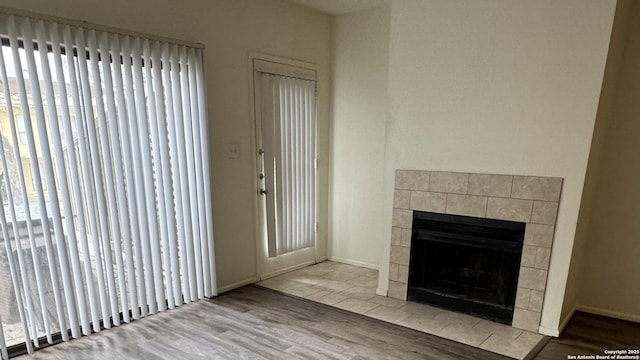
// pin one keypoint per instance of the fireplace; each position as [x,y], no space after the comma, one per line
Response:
[466,264]
[529,200]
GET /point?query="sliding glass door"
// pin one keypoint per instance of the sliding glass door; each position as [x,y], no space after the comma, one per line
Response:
[104,183]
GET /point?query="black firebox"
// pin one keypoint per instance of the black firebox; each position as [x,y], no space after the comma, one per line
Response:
[465,264]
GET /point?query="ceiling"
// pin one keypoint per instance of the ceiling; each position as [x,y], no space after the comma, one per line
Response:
[339,7]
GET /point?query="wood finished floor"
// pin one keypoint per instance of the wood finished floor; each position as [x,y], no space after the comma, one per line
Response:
[588,334]
[256,323]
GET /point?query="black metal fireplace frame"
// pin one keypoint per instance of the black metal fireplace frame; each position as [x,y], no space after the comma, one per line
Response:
[499,236]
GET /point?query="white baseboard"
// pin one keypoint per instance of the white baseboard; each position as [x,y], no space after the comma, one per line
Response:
[381,292]
[564,322]
[236,285]
[548,331]
[609,313]
[286,270]
[321,259]
[354,262]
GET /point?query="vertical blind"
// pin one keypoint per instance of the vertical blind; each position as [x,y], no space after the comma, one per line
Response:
[106,209]
[288,126]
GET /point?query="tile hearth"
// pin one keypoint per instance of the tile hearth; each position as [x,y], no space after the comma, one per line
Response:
[352,288]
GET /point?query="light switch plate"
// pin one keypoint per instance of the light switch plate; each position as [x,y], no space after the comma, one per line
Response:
[233,150]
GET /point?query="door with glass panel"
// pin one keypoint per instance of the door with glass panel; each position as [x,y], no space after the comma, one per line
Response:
[286,139]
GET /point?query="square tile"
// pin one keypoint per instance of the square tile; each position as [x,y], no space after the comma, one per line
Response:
[523,297]
[388,302]
[365,281]
[388,314]
[468,205]
[449,182]
[330,299]
[428,201]
[470,336]
[405,238]
[536,300]
[302,290]
[513,348]
[367,272]
[543,256]
[509,209]
[544,212]
[430,325]
[402,218]
[529,255]
[412,180]
[502,330]
[533,279]
[536,188]
[538,235]
[396,232]
[355,305]
[345,267]
[339,276]
[359,292]
[394,273]
[397,290]
[526,320]
[333,285]
[400,255]
[401,199]
[490,185]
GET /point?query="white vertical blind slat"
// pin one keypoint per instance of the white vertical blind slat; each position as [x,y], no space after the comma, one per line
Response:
[176,237]
[186,171]
[163,175]
[207,223]
[195,173]
[180,188]
[161,231]
[123,174]
[144,179]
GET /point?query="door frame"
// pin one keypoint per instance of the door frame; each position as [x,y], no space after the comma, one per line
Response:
[258,221]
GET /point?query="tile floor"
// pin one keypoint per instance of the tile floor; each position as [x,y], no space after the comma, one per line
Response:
[352,288]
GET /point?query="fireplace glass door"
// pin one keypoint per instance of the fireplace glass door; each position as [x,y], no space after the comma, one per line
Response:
[466,264]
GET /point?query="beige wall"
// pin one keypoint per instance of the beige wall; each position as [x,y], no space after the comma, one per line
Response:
[619,38]
[506,87]
[609,276]
[359,114]
[229,30]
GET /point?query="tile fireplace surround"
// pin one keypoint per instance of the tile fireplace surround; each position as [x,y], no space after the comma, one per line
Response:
[529,199]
